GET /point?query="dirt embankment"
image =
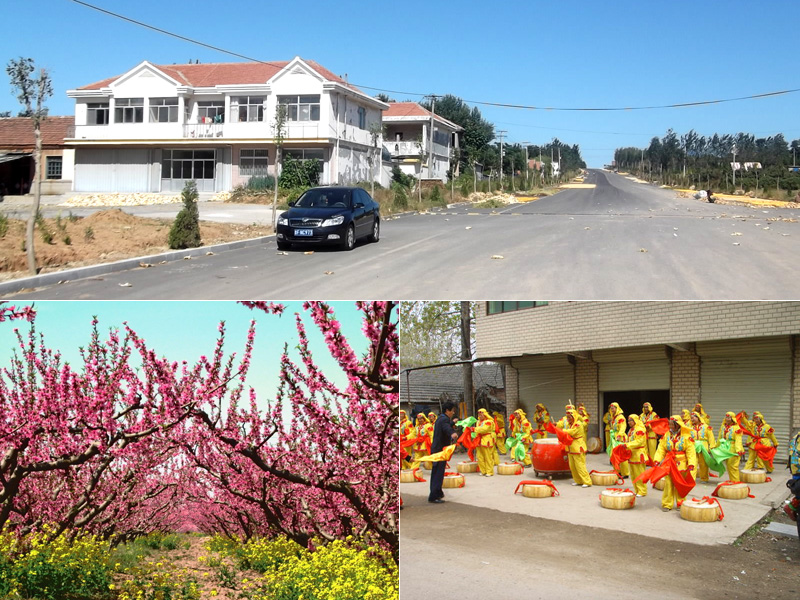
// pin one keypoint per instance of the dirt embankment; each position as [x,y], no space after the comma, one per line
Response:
[104,236]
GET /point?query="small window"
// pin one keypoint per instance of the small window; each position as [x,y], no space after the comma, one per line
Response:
[211,112]
[97,114]
[129,110]
[494,308]
[362,117]
[300,108]
[54,166]
[247,108]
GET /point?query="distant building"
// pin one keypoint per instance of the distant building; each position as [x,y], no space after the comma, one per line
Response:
[17,144]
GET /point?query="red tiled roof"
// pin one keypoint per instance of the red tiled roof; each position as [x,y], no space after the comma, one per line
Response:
[412,109]
[16,133]
[211,74]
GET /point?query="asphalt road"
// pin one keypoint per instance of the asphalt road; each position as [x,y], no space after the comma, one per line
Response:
[617,240]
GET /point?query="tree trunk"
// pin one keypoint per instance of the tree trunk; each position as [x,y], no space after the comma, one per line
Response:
[466,354]
[37,195]
[275,197]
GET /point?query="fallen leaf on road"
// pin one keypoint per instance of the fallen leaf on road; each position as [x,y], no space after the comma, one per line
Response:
[62,281]
[736,233]
[328,272]
[675,234]
[209,253]
[675,229]
[736,244]
[497,257]
[468,228]
[126,284]
[187,258]
[309,252]
[587,228]
[785,234]
[282,253]
[765,229]
[163,262]
[642,249]
[145,265]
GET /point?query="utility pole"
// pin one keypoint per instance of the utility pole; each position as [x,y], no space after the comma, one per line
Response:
[526,164]
[734,166]
[430,150]
[501,134]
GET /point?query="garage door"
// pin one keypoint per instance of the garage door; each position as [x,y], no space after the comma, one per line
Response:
[112,170]
[748,375]
[643,368]
[548,380]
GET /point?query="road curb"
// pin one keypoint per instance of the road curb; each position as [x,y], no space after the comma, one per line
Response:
[37,281]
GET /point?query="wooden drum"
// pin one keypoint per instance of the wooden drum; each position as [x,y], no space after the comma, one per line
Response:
[734,491]
[695,509]
[467,467]
[537,490]
[453,480]
[603,477]
[427,465]
[754,475]
[617,499]
[407,476]
[659,485]
[508,468]
[593,445]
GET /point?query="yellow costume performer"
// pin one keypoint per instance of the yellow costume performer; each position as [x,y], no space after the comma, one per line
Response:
[541,417]
[731,435]
[617,425]
[637,444]
[764,435]
[501,432]
[679,442]
[648,414]
[607,428]
[698,408]
[487,436]
[702,434]
[577,449]
[584,416]
[424,435]
[407,432]
[521,425]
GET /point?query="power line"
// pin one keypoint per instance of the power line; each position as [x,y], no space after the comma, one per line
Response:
[480,102]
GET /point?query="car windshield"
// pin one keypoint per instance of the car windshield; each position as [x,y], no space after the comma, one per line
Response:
[325,199]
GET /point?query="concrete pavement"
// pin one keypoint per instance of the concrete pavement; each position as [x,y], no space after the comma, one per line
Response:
[581,506]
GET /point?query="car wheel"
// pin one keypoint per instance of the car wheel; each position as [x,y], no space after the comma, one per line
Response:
[284,245]
[349,241]
[376,231]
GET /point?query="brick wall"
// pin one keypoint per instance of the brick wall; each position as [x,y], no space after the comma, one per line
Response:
[795,416]
[576,326]
[684,380]
[586,391]
[512,389]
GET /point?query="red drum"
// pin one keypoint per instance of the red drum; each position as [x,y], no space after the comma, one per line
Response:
[548,457]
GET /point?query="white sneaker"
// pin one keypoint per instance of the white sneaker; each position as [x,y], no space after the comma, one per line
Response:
[585,485]
[575,483]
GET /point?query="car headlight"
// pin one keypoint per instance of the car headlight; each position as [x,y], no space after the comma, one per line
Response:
[283,221]
[333,221]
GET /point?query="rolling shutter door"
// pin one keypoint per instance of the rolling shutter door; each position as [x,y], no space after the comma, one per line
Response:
[549,380]
[624,369]
[112,170]
[748,375]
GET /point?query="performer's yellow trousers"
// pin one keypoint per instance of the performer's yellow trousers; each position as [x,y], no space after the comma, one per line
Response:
[702,468]
[732,464]
[486,456]
[577,466]
[669,495]
[640,487]
[753,458]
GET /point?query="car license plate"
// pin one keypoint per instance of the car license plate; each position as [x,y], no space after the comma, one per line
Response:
[303,232]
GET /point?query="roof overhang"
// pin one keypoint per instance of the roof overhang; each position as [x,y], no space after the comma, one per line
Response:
[4,158]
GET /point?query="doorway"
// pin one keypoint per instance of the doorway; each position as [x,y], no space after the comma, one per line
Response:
[631,401]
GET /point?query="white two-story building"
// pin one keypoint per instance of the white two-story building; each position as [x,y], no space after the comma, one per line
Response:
[407,130]
[157,126]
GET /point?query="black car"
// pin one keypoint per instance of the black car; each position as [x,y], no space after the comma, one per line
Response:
[330,215]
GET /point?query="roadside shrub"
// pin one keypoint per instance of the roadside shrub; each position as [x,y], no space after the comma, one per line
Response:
[259,184]
[185,231]
[401,178]
[88,234]
[44,232]
[3,225]
[435,197]
[36,566]
[299,173]
[400,200]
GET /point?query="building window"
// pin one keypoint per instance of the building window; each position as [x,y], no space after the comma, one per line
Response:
[163,110]
[253,162]
[188,164]
[54,164]
[211,112]
[494,308]
[301,108]
[247,108]
[306,154]
[129,110]
[97,114]
[362,117]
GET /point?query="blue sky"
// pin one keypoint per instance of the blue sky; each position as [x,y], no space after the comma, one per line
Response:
[549,54]
[187,330]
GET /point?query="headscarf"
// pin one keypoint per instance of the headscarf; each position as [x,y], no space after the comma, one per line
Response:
[699,417]
[684,429]
[617,410]
[686,416]
[424,418]
[431,417]
[637,423]
[647,405]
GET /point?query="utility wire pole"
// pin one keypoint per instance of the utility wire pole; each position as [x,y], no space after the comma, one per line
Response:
[525,144]
[501,135]
[430,149]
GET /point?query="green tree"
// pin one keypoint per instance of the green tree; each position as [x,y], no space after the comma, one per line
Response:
[431,332]
[185,230]
[32,92]
[279,131]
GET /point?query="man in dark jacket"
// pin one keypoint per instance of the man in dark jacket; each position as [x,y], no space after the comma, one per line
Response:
[444,434]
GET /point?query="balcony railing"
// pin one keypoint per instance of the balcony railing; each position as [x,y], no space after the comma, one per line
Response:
[413,148]
[203,130]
